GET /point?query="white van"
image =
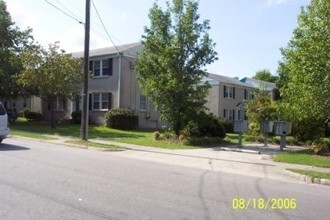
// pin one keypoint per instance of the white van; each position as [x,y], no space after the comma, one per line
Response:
[4,130]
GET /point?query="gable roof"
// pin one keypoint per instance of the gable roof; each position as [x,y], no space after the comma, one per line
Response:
[259,83]
[214,79]
[132,49]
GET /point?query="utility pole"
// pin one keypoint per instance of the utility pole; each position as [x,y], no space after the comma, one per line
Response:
[84,116]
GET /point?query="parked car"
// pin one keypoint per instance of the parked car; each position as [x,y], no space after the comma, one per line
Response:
[4,130]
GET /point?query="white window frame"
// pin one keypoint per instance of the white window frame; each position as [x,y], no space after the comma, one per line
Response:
[231,114]
[143,102]
[100,101]
[101,68]
[229,93]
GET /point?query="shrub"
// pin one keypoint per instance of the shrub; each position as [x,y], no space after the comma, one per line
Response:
[169,134]
[33,116]
[23,113]
[229,126]
[290,140]
[76,117]
[319,148]
[205,125]
[182,137]
[202,141]
[156,135]
[121,119]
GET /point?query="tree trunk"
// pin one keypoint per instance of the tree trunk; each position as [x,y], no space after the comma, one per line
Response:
[52,114]
[177,128]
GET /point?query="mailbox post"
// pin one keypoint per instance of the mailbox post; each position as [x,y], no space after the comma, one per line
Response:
[240,127]
[266,127]
[283,128]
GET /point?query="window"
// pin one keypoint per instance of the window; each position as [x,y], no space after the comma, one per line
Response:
[101,67]
[101,101]
[24,103]
[229,92]
[239,114]
[231,116]
[58,103]
[143,102]
[248,95]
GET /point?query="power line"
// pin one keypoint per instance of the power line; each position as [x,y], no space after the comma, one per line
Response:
[74,18]
[60,3]
[105,29]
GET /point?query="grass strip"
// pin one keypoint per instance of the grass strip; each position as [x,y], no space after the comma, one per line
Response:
[96,145]
[31,135]
[313,174]
[305,157]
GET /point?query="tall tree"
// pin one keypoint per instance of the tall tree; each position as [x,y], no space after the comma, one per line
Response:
[12,42]
[305,70]
[176,49]
[265,75]
[51,73]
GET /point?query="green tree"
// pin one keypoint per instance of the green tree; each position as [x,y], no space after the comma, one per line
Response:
[51,73]
[305,70]
[176,49]
[265,75]
[12,42]
[260,108]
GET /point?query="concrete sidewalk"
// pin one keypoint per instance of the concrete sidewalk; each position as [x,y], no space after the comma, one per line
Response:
[229,160]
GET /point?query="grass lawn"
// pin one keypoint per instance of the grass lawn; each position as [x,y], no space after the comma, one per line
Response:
[42,130]
[305,157]
[312,174]
[30,135]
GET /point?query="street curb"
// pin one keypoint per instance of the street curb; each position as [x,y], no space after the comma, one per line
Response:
[308,179]
[239,150]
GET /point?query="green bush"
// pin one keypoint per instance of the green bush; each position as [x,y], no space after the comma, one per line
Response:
[33,116]
[229,126]
[76,117]
[169,134]
[202,141]
[319,148]
[121,119]
[23,113]
[156,135]
[205,125]
[326,142]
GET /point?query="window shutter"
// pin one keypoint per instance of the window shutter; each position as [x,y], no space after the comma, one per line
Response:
[233,92]
[109,101]
[224,113]
[110,66]
[245,94]
[224,91]
[233,114]
[90,102]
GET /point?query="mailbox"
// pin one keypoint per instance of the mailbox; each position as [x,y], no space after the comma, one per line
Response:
[283,128]
[240,126]
[266,126]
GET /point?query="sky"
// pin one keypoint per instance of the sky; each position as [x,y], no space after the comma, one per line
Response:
[248,33]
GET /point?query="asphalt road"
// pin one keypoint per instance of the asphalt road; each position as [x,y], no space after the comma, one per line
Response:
[39,180]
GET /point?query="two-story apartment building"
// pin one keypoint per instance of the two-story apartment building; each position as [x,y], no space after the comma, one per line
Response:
[113,84]
[227,95]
